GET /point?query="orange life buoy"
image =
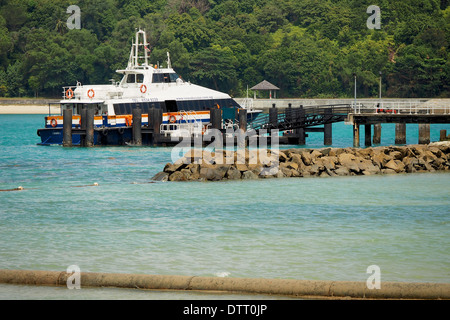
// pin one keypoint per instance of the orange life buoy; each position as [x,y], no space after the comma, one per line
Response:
[69,93]
[143,88]
[54,123]
[91,93]
[172,119]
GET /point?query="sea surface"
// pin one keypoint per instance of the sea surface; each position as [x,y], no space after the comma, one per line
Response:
[292,228]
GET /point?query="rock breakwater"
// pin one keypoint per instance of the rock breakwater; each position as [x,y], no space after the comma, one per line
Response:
[200,165]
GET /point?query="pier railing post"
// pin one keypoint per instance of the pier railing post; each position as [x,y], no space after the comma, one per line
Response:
[67,128]
[137,126]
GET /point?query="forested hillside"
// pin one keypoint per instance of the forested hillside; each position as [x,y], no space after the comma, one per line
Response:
[308,48]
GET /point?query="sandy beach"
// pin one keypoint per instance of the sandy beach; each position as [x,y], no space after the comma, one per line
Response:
[28,109]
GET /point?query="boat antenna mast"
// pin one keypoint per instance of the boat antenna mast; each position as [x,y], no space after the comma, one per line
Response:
[139,51]
[168,61]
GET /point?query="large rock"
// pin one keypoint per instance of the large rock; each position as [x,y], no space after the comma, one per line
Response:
[249,175]
[161,176]
[233,174]
[395,165]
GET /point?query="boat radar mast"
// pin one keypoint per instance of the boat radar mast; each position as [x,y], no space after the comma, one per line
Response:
[139,52]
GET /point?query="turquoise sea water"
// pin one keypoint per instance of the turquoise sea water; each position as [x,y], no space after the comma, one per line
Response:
[297,228]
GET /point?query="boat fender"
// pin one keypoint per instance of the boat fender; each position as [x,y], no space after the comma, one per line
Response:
[69,93]
[54,123]
[120,130]
[143,88]
[91,93]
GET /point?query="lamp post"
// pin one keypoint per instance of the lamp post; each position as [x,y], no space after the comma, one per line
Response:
[380,88]
[354,75]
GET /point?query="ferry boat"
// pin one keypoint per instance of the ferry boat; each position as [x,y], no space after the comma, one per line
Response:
[184,105]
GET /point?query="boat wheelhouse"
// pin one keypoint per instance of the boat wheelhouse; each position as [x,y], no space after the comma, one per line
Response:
[143,86]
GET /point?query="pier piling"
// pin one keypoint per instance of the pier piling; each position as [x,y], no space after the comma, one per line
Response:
[273,115]
[377,133]
[443,135]
[243,119]
[400,133]
[301,131]
[67,128]
[356,135]
[327,128]
[367,135]
[424,133]
[89,141]
[216,118]
[137,126]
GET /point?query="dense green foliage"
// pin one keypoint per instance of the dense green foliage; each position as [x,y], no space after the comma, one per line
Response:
[308,48]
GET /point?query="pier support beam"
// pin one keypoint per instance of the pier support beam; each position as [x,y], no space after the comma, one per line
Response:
[328,129]
[400,133]
[377,133]
[137,126]
[356,135]
[67,128]
[443,135]
[424,133]
[367,135]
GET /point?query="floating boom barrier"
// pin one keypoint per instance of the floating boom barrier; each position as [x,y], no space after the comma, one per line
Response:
[286,287]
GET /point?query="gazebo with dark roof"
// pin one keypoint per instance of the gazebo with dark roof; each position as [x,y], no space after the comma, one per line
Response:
[265,86]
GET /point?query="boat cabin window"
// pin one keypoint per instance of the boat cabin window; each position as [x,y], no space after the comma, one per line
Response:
[165,77]
[135,78]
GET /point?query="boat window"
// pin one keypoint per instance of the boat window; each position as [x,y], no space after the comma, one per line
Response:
[139,78]
[131,78]
[173,77]
[171,106]
[165,77]
[157,77]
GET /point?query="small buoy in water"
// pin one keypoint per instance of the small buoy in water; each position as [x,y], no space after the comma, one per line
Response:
[95,184]
[19,188]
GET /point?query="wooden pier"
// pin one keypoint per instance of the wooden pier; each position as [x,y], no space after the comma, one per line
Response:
[400,119]
[294,123]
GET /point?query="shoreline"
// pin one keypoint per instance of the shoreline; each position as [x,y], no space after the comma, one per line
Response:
[200,165]
[28,109]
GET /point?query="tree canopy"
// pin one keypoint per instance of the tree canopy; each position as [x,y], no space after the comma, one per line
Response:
[307,48]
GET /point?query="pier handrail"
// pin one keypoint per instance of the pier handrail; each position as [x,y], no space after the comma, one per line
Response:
[309,116]
[401,108]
